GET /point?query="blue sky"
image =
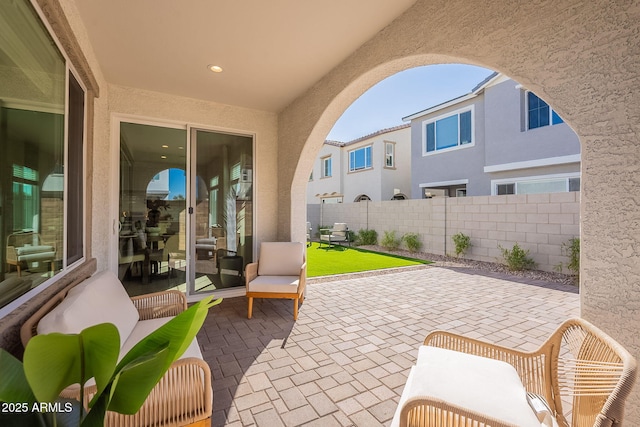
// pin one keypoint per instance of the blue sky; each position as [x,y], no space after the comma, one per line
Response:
[177,183]
[407,92]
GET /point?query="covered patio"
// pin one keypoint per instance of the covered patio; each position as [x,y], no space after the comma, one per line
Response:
[346,360]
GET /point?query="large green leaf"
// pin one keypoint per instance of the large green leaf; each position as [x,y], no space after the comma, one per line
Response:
[54,361]
[137,379]
[129,388]
[14,386]
[139,371]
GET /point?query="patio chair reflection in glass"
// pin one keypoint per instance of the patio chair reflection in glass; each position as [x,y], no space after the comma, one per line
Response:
[309,231]
[338,234]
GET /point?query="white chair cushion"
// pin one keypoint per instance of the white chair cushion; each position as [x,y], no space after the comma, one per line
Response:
[99,299]
[478,384]
[28,250]
[39,256]
[276,284]
[280,258]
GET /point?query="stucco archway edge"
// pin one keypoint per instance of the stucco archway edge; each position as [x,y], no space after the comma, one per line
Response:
[582,57]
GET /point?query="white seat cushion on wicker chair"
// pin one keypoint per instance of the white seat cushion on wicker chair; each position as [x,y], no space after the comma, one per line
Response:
[485,386]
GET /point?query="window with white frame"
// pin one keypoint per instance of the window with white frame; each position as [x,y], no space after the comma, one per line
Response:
[539,114]
[326,167]
[360,159]
[447,132]
[538,185]
[389,154]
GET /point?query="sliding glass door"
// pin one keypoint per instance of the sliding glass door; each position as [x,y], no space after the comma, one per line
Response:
[223,200]
[185,209]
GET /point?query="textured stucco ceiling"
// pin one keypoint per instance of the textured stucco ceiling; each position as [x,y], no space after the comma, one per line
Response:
[271,51]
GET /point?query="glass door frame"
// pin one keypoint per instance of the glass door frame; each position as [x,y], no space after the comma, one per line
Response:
[192,295]
[112,252]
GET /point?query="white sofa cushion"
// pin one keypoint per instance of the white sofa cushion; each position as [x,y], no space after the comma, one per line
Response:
[280,258]
[145,327]
[278,284]
[99,299]
[478,384]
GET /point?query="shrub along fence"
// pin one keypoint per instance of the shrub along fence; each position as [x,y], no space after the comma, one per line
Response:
[540,223]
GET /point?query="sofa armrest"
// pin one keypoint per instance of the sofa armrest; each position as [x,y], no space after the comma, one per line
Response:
[12,255]
[182,396]
[160,304]
[250,272]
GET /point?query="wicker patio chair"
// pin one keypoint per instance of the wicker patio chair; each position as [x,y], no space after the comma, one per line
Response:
[582,373]
[182,397]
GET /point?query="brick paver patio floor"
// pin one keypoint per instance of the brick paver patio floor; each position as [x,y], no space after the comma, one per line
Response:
[346,359]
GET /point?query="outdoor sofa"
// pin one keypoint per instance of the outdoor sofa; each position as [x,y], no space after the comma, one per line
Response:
[183,396]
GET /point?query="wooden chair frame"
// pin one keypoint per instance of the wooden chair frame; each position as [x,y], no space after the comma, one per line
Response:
[251,272]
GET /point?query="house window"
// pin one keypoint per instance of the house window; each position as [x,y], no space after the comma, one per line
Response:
[42,117]
[360,159]
[389,154]
[449,132]
[502,189]
[539,185]
[326,167]
[539,113]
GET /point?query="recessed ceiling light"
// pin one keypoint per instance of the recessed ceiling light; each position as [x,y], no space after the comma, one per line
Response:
[165,146]
[214,68]
[180,148]
[163,157]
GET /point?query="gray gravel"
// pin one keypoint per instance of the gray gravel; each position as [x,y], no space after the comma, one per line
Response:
[453,262]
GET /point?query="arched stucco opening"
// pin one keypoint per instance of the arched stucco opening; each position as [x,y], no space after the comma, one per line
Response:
[582,58]
[362,198]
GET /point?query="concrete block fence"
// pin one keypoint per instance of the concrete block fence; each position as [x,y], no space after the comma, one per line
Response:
[540,223]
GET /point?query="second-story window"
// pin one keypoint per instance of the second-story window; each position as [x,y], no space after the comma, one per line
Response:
[326,167]
[539,113]
[449,132]
[360,159]
[389,154]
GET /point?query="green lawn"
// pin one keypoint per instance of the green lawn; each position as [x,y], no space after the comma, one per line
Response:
[339,260]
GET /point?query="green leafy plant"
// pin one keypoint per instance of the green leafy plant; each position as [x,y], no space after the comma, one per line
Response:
[517,259]
[367,237]
[390,241]
[412,240]
[571,249]
[55,361]
[462,242]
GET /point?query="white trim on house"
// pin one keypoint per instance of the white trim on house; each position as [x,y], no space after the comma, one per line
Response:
[444,183]
[550,161]
[440,107]
[540,178]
